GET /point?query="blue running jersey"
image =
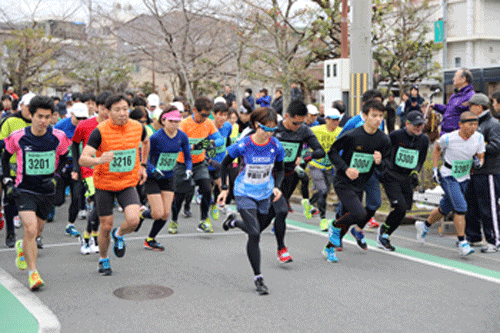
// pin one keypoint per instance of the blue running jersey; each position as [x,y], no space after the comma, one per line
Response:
[255,180]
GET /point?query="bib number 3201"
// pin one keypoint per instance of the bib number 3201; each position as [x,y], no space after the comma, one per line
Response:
[40,162]
[123,161]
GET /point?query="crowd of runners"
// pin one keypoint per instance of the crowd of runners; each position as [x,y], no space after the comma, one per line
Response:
[151,159]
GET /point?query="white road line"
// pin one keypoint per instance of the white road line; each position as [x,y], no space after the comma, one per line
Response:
[47,320]
[404,256]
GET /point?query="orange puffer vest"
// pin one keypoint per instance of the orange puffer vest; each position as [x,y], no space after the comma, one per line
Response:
[118,138]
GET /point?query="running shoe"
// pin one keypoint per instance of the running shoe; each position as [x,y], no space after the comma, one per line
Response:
[307,208]
[187,213]
[39,243]
[489,248]
[104,267]
[360,238]
[372,224]
[20,260]
[329,254]
[206,226]
[153,245]
[10,240]
[119,244]
[214,212]
[35,281]
[52,214]
[422,231]
[283,256]
[314,211]
[334,235]
[93,247]
[17,222]
[172,228]
[290,209]
[71,231]
[323,225]
[226,225]
[465,248]
[260,287]
[384,242]
[85,247]
[82,215]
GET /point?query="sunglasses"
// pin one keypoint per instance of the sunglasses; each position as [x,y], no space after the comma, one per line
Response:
[81,118]
[267,129]
[297,123]
[205,115]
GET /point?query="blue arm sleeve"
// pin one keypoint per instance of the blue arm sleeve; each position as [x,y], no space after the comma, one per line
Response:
[218,138]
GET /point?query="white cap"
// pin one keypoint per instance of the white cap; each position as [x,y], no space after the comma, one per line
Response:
[312,110]
[154,100]
[25,100]
[332,113]
[220,99]
[178,105]
[79,110]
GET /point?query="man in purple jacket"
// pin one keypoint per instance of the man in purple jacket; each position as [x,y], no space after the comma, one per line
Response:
[458,101]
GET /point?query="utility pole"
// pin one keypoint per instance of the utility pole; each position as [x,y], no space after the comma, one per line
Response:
[344,28]
[361,61]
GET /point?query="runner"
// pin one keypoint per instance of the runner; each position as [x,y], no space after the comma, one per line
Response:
[165,147]
[254,187]
[117,170]
[460,150]
[14,122]
[408,153]
[89,243]
[39,149]
[292,134]
[200,132]
[364,149]
[322,169]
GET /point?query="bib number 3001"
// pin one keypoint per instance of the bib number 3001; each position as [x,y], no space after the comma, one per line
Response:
[123,161]
[40,162]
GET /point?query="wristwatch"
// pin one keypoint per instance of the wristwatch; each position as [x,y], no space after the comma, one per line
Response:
[144,165]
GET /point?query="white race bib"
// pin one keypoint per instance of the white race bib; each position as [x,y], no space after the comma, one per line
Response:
[256,174]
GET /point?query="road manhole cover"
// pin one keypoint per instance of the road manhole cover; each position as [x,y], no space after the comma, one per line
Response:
[143,292]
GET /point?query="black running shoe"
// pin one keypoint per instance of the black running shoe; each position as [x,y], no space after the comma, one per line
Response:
[153,245]
[10,240]
[104,267]
[39,243]
[384,243]
[260,287]
[226,225]
[360,238]
[119,243]
[187,213]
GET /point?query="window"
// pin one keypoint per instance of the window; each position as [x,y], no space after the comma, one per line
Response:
[327,70]
[334,70]
[458,62]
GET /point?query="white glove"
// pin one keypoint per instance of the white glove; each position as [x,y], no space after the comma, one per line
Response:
[435,175]
[189,174]
[300,172]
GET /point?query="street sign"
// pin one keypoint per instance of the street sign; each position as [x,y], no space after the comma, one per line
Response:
[438,31]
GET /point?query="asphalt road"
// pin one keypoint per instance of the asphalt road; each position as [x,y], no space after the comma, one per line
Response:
[426,288]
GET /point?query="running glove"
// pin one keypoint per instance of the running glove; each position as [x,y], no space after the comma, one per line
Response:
[476,162]
[435,175]
[300,172]
[414,178]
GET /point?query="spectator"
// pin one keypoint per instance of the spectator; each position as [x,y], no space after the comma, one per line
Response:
[277,104]
[228,95]
[496,103]
[296,93]
[414,102]
[25,90]
[401,108]
[264,99]
[321,117]
[249,97]
[458,101]
[244,111]
[390,108]
[6,105]
[10,91]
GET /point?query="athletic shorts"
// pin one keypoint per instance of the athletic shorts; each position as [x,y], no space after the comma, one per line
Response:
[262,206]
[41,204]
[105,200]
[200,171]
[154,186]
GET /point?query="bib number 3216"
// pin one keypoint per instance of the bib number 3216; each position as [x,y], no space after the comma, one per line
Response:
[123,161]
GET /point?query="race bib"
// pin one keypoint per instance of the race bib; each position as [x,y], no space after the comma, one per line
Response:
[193,141]
[166,161]
[291,150]
[40,163]
[256,174]
[361,162]
[406,158]
[460,168]
[123,160]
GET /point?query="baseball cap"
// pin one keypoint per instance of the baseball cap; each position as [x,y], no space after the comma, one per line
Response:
[415,118]
[312,110]
[178,105]
[480,99]
[172,115]
[25,100]
[220,99]
[153,100]
[332,113]
[79,110]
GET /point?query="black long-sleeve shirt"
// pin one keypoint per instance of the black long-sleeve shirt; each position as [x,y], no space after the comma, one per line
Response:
[408,152]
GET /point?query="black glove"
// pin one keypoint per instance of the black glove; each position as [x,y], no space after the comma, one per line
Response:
[414,179]
[200,144]
[11,191]
[157,174]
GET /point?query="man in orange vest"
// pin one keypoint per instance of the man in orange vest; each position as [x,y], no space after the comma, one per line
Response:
[118,169]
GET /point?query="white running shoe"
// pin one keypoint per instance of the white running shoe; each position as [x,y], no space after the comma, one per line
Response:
[84,248]
[422,231]
[82,215]
[465,248]
[92,246]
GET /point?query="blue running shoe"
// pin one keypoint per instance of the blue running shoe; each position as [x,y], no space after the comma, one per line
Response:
[329,254]
[71,231]
[119,246]
[360,238]
[334,235]
[104,267]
